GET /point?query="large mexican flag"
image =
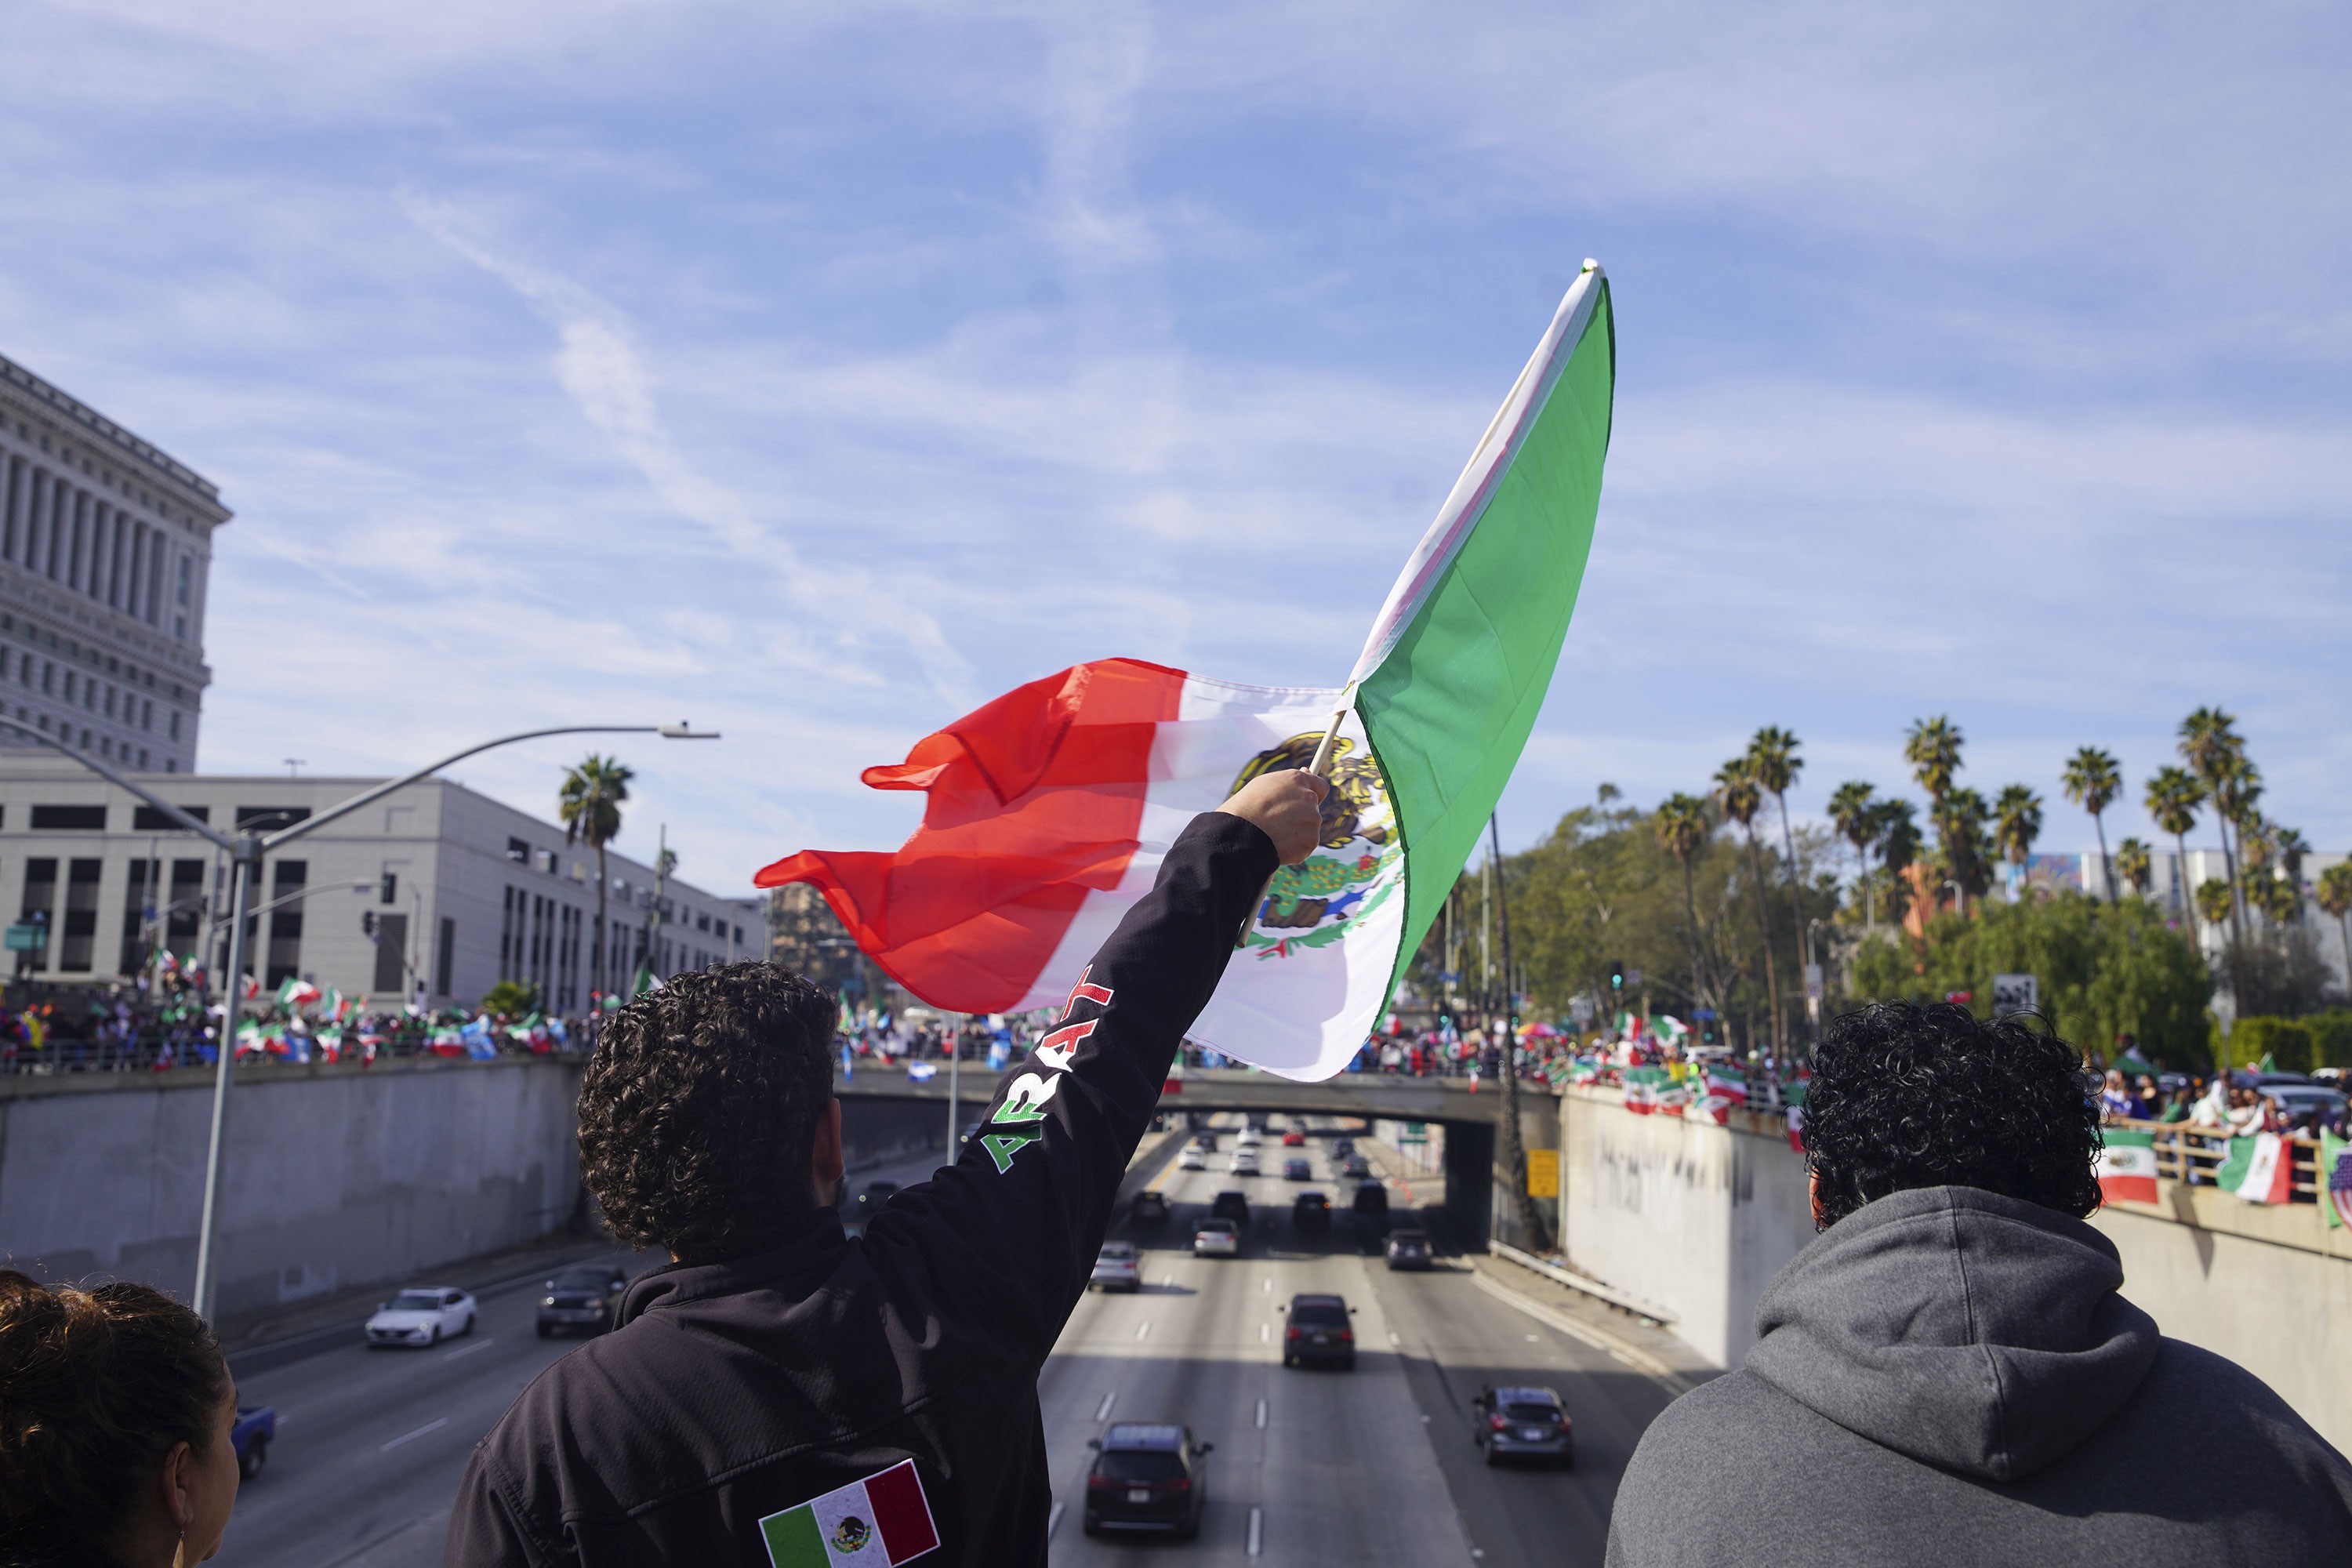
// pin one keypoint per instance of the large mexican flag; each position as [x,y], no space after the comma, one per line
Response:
[1050,809]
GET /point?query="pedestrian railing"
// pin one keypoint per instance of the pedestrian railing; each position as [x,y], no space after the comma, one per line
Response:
[2191,1156]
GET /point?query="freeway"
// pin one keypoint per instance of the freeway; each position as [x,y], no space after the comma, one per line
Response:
[1374,1466]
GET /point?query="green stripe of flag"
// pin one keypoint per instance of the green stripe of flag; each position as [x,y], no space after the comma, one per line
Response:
[794,1539]
[1450,707]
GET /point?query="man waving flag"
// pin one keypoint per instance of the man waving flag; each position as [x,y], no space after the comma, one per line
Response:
[1051,809]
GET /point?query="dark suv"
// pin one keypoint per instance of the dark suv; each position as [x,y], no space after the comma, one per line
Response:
[1319,1332]
[583,1298]
[1150,1207]
[1525,1424]
[1148,1478]
[1233,1205]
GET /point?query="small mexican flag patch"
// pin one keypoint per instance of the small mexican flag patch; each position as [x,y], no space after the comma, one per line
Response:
[879,1523]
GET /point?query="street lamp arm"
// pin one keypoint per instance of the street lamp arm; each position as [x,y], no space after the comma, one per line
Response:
[367,797]
[104,771]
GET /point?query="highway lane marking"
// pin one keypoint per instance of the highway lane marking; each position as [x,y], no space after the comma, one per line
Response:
[1264,1334]
[412,1436]
[1538,1339]
[1261,1414]
[467,1350]
[1054,1520]
[1396,1339]
[1640,1360]
[1265,1286]
[1256,1531]
[1143,1329]
[1102,1411]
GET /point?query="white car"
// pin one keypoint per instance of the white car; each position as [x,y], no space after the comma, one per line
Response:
[1193,1158]
[1217,1239]
[1118,1267]
[423,1315]
[1249,1138]
[1244,1162]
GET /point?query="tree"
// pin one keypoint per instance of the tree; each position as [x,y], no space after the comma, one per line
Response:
[1853,813]
[1932,747]
[2210,743]
[2335,899]
[2291,849]
[1774,762]
[589,806]
[2017,823]
[2213,901]
[2173,796]
[1736,791]
[2133,862]
[2092,779]
[1898,851]
[510,999]
[1964,853]
[2106,969]
[1682,828]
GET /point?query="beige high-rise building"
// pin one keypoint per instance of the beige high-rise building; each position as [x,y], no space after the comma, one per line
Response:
[105,550]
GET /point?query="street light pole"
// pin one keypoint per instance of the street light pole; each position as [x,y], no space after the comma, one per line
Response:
[245,851]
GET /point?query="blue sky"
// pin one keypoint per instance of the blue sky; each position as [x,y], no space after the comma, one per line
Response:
[816,373]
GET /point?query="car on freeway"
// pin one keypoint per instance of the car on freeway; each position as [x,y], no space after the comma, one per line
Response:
[1294,1139]
[1244,1162]
[1310,1211]
[1248,1138]
[1408,1248]
[1216,1239]
[1318,1333]
[1193,1158]
[1148,1478]
[1150,1207]
[584,1297]
[1355,1167]
[1523,1424]
[1117,1267]
[423,1315]
[1205,1140]
[1370,1205]
[1232,1204]
[256,1429]
[1296,1169]
[1342,1147]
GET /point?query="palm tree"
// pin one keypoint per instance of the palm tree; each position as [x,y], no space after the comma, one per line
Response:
[1736,791]
[2335,899]
[2213,900]
[1898,847]
[2236,790]
[1853,813]
[2292,847]
[589,806]
[2017,823]
[2132,861]
[2092,779]
[1682,826]
[2210,743]
[2173,796]
[1773,760]
[1964,849]
[1932,747]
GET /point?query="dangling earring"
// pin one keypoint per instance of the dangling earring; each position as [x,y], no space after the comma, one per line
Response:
[180,1552]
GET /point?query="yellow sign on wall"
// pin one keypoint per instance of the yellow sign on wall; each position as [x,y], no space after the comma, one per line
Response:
[1543,1173]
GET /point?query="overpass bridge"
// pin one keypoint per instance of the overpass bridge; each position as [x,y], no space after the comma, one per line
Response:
[1471,1117]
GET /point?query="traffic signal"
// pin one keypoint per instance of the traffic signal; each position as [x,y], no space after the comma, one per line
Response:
[1616,975]
[367,923]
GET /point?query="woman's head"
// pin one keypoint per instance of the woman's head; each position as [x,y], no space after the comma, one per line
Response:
[115,1409]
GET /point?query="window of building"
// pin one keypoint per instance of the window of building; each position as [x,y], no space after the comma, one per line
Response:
[269,818]
[390,955]
[388,892]
[171,764]
[286,877]
[77,953]
[40,902]
[518,851]
[147,819]
[175,724]
[445,957]
[137,911]
[69,819]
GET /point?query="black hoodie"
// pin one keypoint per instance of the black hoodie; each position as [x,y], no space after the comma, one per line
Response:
[731,1393]
[1948,1377]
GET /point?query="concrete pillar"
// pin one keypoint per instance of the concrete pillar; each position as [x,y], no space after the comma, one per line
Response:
[1470,1184]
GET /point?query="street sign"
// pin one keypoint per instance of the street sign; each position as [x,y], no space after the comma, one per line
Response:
[1543,1173]
[1414,1132]
[27,939]
[2015,993]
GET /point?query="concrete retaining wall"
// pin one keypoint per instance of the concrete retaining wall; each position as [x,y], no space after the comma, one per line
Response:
[1697,1218]
[336,1176]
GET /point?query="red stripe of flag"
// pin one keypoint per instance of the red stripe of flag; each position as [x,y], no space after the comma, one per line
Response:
[901,1512]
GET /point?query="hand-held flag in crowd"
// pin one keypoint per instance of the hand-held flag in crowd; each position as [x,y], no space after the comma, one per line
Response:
[2126,1165]
[2259,1169]
[1050,809]
[2335,1179]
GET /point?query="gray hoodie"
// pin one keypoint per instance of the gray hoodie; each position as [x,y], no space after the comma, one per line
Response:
[1948,1377]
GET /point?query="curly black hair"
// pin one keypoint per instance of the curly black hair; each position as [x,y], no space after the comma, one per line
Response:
[698,1110]
[1904,1096]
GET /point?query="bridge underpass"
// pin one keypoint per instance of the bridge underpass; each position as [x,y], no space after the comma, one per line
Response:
[1471,1118]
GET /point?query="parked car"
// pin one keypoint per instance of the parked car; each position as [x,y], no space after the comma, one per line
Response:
[1297,1170]
[256,1429]
[1216,1239]
[1244,1162]
[1193,1158]
[1150,1207]
[1294,1139]
[1310,1211]
[1233,1205]
[1319,1332]
[1408,1249]
[422,1315]
[1148,1478]
[584,1298]
[1117,1267]
[1523,1423]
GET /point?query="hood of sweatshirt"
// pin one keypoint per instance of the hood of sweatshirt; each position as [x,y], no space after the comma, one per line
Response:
[1966,1329]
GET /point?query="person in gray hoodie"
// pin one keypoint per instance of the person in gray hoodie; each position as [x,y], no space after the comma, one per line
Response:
[1947,1374]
